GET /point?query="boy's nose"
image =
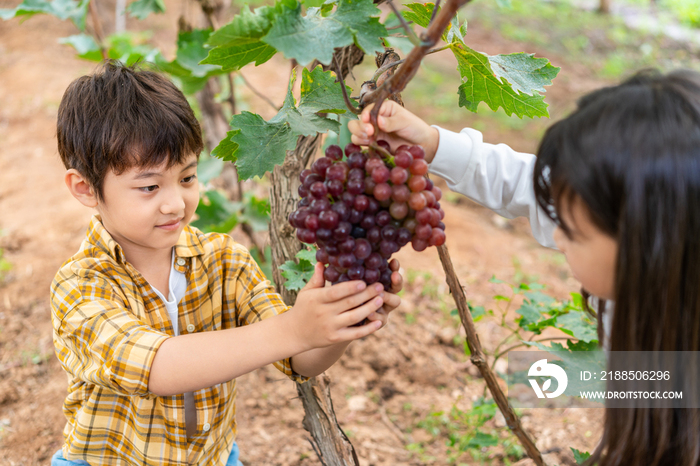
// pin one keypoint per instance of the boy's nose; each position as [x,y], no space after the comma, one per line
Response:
[174,204]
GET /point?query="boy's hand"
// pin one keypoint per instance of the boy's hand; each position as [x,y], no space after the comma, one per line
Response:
[324,316]
[391,299]
[397,126]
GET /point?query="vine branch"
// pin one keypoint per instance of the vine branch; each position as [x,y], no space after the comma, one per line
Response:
[405,73]
[479,359]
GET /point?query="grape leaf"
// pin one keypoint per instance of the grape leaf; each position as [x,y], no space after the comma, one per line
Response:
[238,43]
[215,213]
[262,145]
[524,72]
[574,324]
[142,8]
[298,274]
[191,51]
[315,36]
[481,85]
[74,10]
[226,149]
[421,13]
[85,45]
[580,456]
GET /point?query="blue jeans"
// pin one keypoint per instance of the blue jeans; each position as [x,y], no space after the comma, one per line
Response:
[58,460]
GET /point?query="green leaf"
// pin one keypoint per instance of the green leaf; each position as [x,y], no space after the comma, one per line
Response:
[255,211]
[531,314]
[524,72]
[481,440]
[142,8]
[74,10]
[215,213]
[315,36]
[262,145]
[238,43]
[208,168]
[307,255]
[298,273]
[129,47]
[481,85]
[191,51]
[85,45]
[580,456]
[577,325]
[226,149]
[421,13]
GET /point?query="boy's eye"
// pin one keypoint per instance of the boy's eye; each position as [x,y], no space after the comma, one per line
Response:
[149,189]
[189,179]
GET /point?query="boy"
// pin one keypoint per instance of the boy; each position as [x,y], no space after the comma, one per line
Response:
[153,320]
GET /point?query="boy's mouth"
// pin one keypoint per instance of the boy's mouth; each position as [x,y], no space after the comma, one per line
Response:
[172,225]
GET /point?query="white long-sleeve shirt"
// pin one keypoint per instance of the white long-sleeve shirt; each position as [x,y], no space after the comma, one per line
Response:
[497,177]
[494,176]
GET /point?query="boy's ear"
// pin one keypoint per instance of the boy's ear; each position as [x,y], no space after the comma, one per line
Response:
[80,188]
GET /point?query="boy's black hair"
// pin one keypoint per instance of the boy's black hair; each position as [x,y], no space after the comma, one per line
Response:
[631,153]
[121,117]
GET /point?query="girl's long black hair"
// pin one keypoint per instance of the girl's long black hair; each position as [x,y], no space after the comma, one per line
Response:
[631,153]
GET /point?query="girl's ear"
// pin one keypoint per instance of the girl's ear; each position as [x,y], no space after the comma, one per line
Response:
[80,188]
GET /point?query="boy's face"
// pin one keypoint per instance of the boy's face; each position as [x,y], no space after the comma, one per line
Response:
[146,209]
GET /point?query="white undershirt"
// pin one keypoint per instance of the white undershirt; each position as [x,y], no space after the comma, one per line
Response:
[177,285]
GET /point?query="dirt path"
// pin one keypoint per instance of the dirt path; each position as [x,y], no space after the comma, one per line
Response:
[383,386]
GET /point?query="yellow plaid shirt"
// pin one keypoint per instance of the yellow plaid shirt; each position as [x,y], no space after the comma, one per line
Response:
[108,324]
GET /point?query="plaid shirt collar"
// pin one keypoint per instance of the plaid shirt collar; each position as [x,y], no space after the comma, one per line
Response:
[188,245]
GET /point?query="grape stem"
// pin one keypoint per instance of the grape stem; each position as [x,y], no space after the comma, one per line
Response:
[389,66]
[410,33]
[398,81]
[348,102]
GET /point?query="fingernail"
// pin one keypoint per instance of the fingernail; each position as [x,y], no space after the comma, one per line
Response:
[379,287]
[361,286]
[378,301]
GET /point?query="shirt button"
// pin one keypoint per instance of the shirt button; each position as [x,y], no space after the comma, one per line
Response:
[206,427]
[180,261]
[190,328]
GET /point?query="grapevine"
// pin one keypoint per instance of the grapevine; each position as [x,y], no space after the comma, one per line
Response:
[362,208]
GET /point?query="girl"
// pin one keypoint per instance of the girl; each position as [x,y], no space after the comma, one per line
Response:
[619,180]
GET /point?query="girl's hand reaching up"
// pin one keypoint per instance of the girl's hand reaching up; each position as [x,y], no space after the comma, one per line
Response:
[397,126]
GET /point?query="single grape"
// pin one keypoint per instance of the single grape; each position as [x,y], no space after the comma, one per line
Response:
[324,234]
[423,216]
[342,210]
[347,198]
[369,186]
[382,192]
[347,245]
[322,255]
[362,249]
[373,163]
[304,174]
[351,149]
[417,201]
[429,184]
[346,260]
[386,248]
[337,172]
[361,203]
[423,232]
[334,152]
[367,221]
[381,174]
[321,165]
[358,232]
[384,145]
[319,205]
[328,219]
[306,236]
[311,179]
[355,186]
[335,188]
[419,244]
[357,160]
[382,218]
[398,175]
[318,190]
[371,276]
[410,224]
[374,235]
[416,183]
[355,216]
[437,238]
[331,274]
[400,193]
[403,236]
[398,210]
[437,192]
[417,152]
[356,272]
[311,222]
[373,207]
[429,197]
[403,158]
[389,232]
[342,231]
[373,261]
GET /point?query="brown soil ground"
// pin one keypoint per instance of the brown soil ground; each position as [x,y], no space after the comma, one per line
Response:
[384,385]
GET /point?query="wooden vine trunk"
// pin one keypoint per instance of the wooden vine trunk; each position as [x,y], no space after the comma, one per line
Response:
[328,439]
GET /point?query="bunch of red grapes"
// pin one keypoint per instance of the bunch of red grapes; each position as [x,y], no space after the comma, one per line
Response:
[362,208]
